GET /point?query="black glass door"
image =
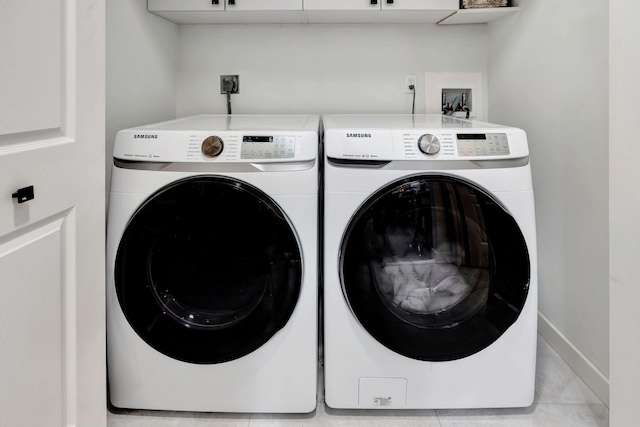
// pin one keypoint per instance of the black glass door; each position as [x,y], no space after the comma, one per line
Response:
[434,268]
[208,270]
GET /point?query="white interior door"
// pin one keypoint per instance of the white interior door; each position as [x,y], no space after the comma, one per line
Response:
[52,355]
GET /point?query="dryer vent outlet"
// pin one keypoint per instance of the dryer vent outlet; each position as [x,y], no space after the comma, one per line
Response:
[229,84]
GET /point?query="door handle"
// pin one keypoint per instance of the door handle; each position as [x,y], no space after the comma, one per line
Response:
[24,194]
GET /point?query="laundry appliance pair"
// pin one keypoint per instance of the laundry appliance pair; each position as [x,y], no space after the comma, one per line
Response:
[429,264]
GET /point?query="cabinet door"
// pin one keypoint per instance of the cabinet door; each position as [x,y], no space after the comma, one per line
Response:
[266,5]
[52,316]
[342,4]
[186,5]
[427,5]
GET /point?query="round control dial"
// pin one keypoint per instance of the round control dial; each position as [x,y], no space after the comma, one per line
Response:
[429,144]
[212,146]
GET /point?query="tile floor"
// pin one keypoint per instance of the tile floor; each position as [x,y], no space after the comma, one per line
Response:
[561,399]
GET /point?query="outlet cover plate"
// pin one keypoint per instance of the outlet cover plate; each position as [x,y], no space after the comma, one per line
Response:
[236,83]
[410,79]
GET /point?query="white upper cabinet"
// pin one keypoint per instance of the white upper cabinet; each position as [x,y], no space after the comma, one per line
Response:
[185,5]
[263,12]
[418,11]
[378,11]
[368,5]
[343,11]
[229,11]
[428,5]
[263,5]
[335,5]
[319,11]
[188,11]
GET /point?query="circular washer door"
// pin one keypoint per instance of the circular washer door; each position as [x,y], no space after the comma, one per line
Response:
[434,268]
[208,270]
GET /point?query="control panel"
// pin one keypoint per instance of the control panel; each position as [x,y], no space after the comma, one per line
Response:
[374,139]
[218,147]
[482,144]
[450,145]
[418,145]
[268,147]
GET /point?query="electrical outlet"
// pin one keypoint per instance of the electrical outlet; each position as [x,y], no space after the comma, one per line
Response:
[410,80]
[229,83]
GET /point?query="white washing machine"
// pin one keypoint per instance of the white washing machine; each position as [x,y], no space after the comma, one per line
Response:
[212,267]
[430,286]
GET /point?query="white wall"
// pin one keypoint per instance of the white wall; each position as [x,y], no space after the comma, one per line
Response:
[319,68]
[548,74]
[141,69]
[624,160]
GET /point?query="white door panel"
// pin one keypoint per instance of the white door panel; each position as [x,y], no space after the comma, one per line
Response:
[52,369]
[37,390]
[34,47]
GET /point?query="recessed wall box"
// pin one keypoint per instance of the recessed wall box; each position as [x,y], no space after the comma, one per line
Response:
[455,93]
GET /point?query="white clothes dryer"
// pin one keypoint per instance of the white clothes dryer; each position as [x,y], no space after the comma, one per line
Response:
[212,252]
[430,285]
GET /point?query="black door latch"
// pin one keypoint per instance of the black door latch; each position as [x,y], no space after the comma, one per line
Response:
[24,194]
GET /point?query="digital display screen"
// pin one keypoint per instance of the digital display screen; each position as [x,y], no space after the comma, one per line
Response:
[247,138]
[474,136]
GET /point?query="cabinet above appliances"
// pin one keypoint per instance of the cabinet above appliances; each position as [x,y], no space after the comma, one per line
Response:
[378,11]
[320,11]
[229,11]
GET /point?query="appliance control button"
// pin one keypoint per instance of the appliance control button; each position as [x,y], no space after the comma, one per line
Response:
[429,144]
[212,146]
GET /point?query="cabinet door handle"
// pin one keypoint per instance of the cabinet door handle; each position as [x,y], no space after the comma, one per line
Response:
[232,2]
[24,194]
[215,1]
[389,1]
[374,1]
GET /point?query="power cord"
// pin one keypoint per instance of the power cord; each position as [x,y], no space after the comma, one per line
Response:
[228,86]
[413,105]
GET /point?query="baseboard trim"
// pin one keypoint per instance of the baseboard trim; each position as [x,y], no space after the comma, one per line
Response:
[583,367]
